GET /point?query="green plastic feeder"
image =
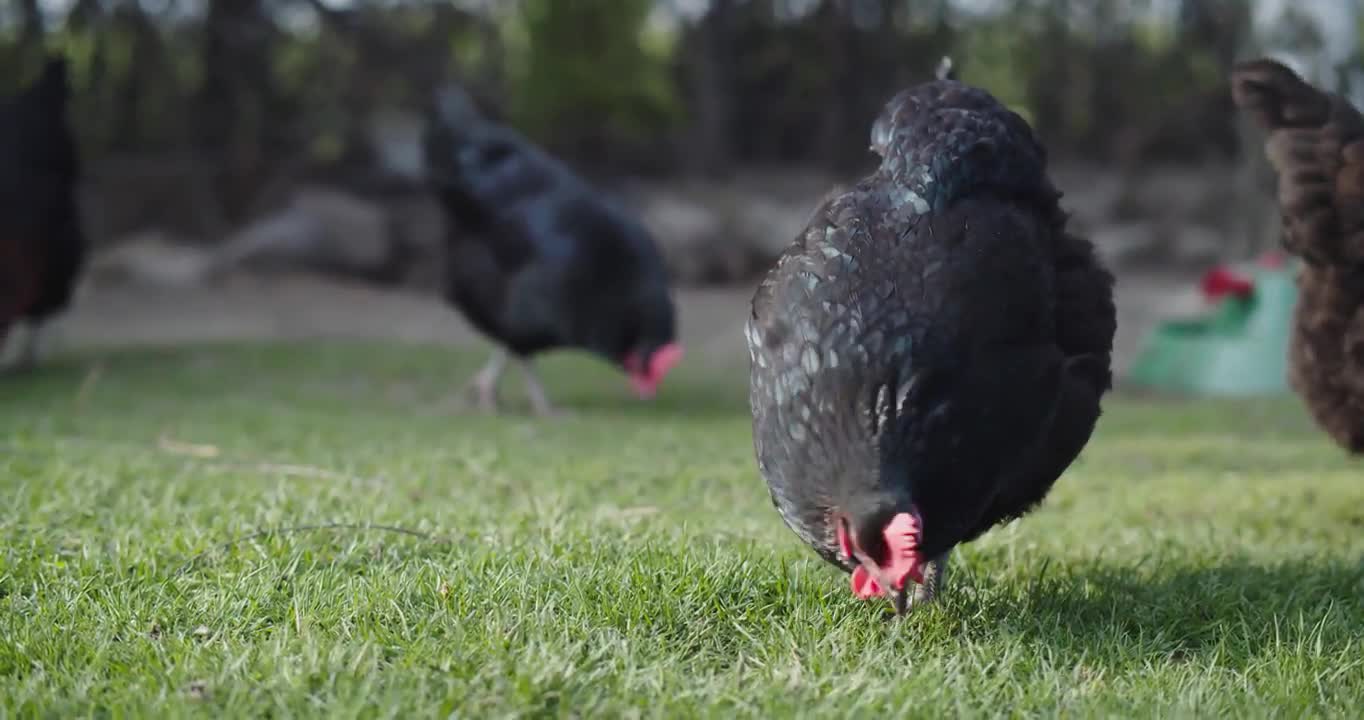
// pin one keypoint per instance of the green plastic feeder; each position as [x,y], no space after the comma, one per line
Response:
[1240,350]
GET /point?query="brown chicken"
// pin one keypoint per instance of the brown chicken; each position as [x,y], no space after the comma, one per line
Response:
[1316,146]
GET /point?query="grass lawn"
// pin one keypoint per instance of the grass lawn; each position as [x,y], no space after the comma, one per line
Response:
[1200,559]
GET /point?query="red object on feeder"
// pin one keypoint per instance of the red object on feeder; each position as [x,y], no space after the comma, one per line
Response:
[1221,282]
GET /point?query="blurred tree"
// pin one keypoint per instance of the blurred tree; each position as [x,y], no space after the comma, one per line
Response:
[708,59]
[805,86]
[587,84]
[31,26]
[255,87]
[143,62]
[1050,86]
[237,123]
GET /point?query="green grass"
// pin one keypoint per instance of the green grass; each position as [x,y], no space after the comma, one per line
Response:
[1200,559]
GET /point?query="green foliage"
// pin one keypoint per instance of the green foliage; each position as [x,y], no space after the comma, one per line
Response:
[591,78]
[1200,560]
[588,66]
[995,56]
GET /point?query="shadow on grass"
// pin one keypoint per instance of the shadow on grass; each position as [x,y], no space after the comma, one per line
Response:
[1229,613]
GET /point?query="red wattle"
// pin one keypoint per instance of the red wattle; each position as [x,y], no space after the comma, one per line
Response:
[863,586]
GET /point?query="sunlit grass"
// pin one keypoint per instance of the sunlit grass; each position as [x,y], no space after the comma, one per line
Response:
[1201,559]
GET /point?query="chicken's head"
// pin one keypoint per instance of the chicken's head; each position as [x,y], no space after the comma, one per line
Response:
[647,366]
[648,348]
[885,546]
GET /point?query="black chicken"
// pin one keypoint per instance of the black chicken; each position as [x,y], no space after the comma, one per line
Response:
[929,355]
[42,248]
[541,260]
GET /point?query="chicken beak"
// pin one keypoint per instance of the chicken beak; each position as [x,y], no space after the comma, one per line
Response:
[899,599]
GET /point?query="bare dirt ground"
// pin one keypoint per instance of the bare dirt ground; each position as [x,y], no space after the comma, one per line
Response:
[252,308]
[153,286]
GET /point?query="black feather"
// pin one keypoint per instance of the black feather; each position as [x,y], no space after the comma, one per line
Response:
[539,259]
[42,247]
[934,338]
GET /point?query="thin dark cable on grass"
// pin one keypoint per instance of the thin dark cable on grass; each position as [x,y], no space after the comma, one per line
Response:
[295,529]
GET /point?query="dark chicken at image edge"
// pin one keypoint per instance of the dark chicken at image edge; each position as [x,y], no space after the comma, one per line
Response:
[42,245]
[929,355]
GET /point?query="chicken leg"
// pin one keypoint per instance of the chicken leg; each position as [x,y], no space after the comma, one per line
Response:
[934,575]
[28,352]
[535,390]
[26,357]
[481,391]
[482,387]
[935,578]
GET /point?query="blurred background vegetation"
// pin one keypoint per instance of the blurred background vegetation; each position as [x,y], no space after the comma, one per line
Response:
[214,110]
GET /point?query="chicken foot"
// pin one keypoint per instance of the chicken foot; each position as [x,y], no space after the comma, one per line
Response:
[935,578]
[535,390]
[481,391]
[482,387]
[33,341]
[27,356]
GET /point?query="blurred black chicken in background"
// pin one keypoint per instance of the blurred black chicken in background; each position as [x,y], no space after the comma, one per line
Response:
[42,248]
[540,260]
[239,139]
[929,355]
